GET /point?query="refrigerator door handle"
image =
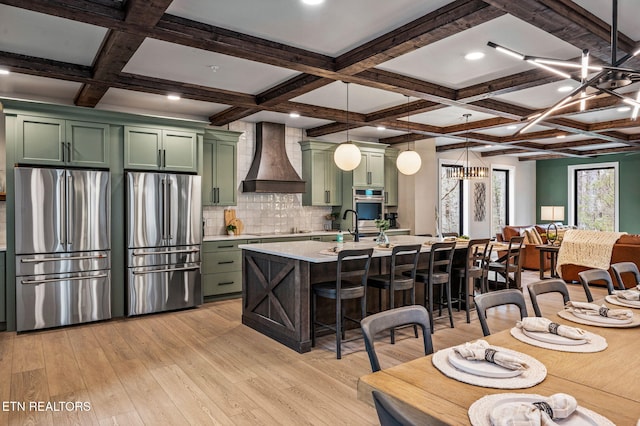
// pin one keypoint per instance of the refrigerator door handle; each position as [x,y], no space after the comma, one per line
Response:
[55,280]
[62,212]
[155,271]
[57,259]
[149,253]
[168,208]
[163,190]
[70,210]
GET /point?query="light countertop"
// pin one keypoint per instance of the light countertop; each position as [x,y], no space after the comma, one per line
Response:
[310,251]
[283,235]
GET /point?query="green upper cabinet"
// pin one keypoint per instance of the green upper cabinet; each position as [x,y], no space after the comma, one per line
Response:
[390,177]
[157,149]
[370,172]
[323,178]
[52,141]
[219,168]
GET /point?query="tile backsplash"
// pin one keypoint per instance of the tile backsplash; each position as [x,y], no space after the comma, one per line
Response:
[271,213]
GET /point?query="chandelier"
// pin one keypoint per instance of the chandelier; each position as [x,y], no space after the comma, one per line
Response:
[465,171]
[607,78]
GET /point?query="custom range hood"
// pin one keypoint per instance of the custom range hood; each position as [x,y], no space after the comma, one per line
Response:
[271,170]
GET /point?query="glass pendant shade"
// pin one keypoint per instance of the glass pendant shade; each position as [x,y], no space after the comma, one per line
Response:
[408,162]
[347,156]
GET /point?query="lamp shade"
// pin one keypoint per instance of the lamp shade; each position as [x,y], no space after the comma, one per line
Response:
[347,156]
[552,213]
[408,162]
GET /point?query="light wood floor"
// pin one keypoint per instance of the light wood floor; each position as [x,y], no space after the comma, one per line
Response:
[202,366]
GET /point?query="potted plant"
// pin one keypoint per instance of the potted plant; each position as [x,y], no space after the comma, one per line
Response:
[382,239]
[231,229]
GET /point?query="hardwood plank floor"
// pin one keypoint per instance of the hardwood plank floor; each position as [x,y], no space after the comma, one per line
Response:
[202,366]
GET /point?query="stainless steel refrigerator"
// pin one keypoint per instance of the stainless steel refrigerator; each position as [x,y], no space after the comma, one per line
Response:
[164,234]
[62,247]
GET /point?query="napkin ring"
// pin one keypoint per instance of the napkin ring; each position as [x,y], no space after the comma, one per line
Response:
[603,311]
[553,327]
[543,406]
[489,354]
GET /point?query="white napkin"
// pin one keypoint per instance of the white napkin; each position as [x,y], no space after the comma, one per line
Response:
[627,294]
[593,309]
[481,351]
[560,406]
[547,326]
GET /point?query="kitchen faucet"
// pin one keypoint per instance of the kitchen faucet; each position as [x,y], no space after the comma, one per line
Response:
[356,235]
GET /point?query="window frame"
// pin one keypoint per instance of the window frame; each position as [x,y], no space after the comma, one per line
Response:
[510,171]
[461,201]
[571,172]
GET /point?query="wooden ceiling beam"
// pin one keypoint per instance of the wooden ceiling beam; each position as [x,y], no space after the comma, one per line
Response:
[231,114]
[41,67]
[295,86]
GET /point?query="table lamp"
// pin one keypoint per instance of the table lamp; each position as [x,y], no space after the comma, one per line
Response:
[552,213]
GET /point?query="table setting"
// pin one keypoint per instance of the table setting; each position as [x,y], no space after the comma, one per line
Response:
[481,364]
[520,409]
[544,333]
[627,298]
[599,315]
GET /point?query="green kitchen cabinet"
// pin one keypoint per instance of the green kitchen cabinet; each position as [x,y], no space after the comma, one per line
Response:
[219,169]
[160,149]
[3,300]
[221,268]
[59,142]
[390,177]
[323,178]
[370,171]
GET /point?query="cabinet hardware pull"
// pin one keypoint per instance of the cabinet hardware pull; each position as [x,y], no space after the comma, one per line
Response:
[164,156]
[159,158]
[188,268]
[226,283]
[149,253]
[225,262]
[225,246]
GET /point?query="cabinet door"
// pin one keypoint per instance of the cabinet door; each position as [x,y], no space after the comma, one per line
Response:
[142,148]
[319,196]
[179,151]
[390,180]
[88,144]
[40,140]
[208,173]
[225,173]
[376,169]
[361,173]
[333,181]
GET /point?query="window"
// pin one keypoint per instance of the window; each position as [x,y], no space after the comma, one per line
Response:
[451,198]
[499,199]
[593,196]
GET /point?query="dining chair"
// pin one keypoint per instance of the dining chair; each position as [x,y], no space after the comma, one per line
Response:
[509,296]
[437,274]
[510,263]
[390,319]
[404,258]
[547,286]
[592,276]
[472,271]
[390,414]
[352,271]
[621,268]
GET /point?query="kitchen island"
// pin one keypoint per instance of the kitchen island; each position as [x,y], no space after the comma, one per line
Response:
[277,280]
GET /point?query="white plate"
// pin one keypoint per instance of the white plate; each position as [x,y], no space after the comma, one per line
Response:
[553,338]
[481,368]
[601,319]
[632,303]
[480,410]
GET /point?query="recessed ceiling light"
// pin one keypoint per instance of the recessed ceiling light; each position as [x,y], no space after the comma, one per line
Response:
[624,109]
[565,89]
[294,115]
[381,128]
[173,97]
[4,72]
[488,146]
[561,136]
[312,2]
[512,127]
[474,56]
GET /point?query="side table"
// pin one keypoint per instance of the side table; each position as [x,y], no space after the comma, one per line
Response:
[553,257]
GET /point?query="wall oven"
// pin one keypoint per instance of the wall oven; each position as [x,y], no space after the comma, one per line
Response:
[369,205]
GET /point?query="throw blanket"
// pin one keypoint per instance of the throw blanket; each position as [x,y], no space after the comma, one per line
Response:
[587,248]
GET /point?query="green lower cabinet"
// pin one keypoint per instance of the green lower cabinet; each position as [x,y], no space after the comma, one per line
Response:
[221,268]
[221,284]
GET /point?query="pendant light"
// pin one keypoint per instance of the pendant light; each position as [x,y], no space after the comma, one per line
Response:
[347,155]
[408,162]
[465,171]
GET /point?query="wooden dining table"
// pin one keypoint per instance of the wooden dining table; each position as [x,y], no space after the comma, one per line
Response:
[607,382]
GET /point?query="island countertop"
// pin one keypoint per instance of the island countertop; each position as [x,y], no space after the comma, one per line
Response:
[311,251]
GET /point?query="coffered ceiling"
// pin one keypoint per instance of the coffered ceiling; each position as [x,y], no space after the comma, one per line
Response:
[259,60]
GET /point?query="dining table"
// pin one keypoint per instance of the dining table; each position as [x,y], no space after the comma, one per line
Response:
[606,382]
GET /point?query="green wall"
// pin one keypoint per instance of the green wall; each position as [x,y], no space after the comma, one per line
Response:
[552,186]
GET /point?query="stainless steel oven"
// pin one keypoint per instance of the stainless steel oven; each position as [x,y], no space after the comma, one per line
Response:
[369,205]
